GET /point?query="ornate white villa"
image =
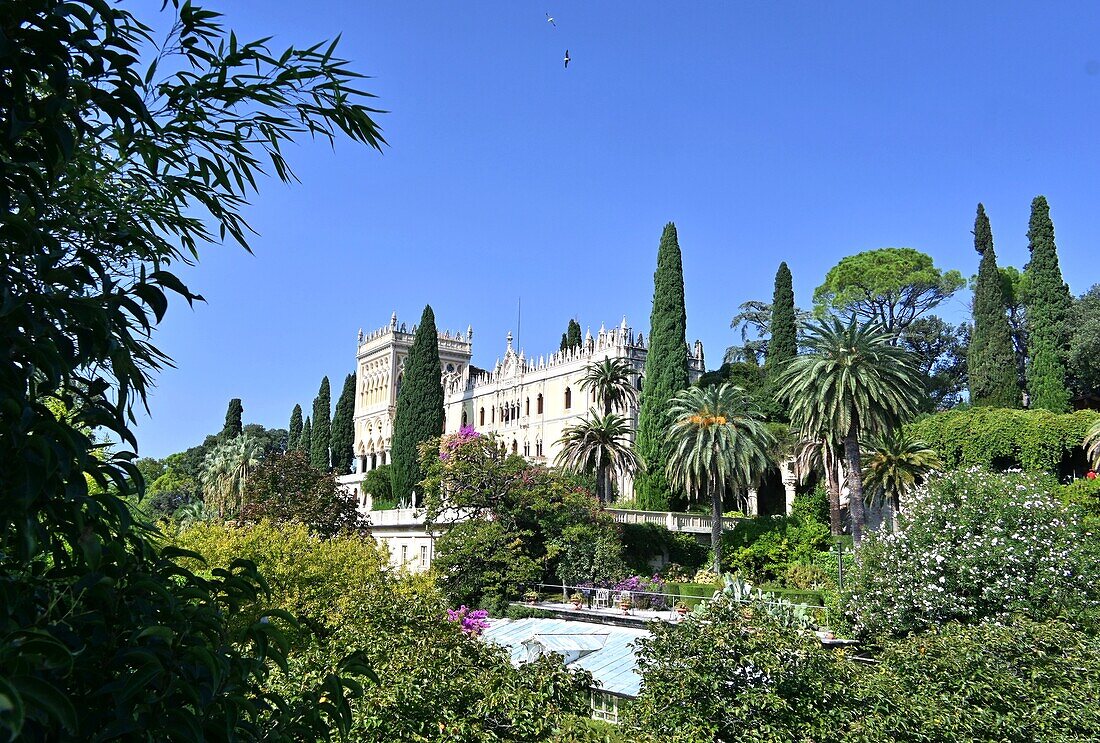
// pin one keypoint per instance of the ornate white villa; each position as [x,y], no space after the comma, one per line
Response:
[527,402]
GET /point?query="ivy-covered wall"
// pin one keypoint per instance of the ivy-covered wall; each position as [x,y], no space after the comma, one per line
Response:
[1001,438]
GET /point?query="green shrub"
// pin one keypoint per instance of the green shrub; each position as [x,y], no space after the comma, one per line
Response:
[1083,495]
[813,505]
[762,548]
[1018,682]
[644,542]
[379,485]
[803,576]
[974,545]
[999,439]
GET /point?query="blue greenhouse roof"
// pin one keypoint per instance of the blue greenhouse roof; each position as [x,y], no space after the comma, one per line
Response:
[605,651]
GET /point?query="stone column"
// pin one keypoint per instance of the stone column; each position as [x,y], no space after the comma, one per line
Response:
[752,503]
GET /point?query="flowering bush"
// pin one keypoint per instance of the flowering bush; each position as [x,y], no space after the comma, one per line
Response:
[473,622]
[450,442]
[640,588]
[976,545]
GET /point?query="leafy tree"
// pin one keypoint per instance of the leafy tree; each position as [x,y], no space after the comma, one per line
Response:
[754,321]
[295,429]
[343,428]
[116,166]
[783,323]
[1014,289]
[1049,307]
[599,445]
[379,484]
[888,286]
[941,352]
[894,465]
[717,443]
[322,427]
[665,372]
[273,440]
[1084,351]
[610,381]
[419,416]
[763,548]
[991,358]
[854,383]
[286,487]
[233,423]
[226,472]
[305,441]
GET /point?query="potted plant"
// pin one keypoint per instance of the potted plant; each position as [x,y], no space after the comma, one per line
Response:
[681,608]
[625,604]
[531,597]
[576,599]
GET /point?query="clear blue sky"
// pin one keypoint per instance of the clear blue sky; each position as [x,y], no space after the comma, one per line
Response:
[767,131]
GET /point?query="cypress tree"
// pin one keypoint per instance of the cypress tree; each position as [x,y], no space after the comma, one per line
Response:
[783,328]
[319,445]
[564,342]
[573,335]
[666,371]
[295,430]
[1048,311]
[343,428]
[233,423]
[419,415]
[991,358]
[304,440]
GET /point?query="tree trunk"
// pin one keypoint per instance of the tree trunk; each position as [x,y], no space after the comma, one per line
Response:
[833,486]
[601,484]
[716,526]
[855,483]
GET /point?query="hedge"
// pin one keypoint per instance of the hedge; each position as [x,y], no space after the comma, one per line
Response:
[1000,438]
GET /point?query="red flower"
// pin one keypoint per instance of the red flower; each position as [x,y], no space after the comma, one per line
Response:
[1091,475]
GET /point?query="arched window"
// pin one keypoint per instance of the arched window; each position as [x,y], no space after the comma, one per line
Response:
[482,417]
[527,407]
[526,448]
[538,404]
[493,415]
[638,384]
[515,447]
[568,398]
[538,448]
[464,419]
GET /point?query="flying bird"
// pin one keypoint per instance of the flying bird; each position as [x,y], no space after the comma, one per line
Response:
[550,20]
[567,58]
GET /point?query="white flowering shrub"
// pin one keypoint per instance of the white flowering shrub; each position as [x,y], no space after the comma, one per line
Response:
[974,545]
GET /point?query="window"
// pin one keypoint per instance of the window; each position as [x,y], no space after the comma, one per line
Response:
[538,448]
[493,415]
[482,423]
[463,418]
[527,407]
[526,448]
[538,404]
[515,447]
[450,367]
[568,398]
[424,555]
[404,554]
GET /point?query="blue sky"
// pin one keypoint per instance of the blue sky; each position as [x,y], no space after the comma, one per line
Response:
[767,131]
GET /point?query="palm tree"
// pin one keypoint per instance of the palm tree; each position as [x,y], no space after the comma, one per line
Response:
[822,453]
[718,442]
[610,379]
[600,445]
[895,464]
[1092,444]
[853,383]
[225,473]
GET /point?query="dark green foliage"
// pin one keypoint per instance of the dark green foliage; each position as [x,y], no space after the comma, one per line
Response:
[643,543]
[991,359]
[322,427]
[343,428]
[286,487]
[1000,439]
[761,548]
[305,441]
[813,505]
[1049,307]
[273,439]
[783,344]
[379,485]
[573,335]
[940,351]
[233,422]
[113,174]
[1084,354]
[295,430]
[1083,495]
[419,416]
[665,373]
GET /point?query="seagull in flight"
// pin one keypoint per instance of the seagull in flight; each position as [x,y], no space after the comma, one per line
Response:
[566,58]
[550,20]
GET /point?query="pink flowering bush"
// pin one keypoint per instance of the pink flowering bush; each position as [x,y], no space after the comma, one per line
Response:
[449,443]
[976,545]
[473,622]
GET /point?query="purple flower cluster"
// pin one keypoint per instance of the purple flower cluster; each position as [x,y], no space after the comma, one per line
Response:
[448,444]
[473,622]
[640,588]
